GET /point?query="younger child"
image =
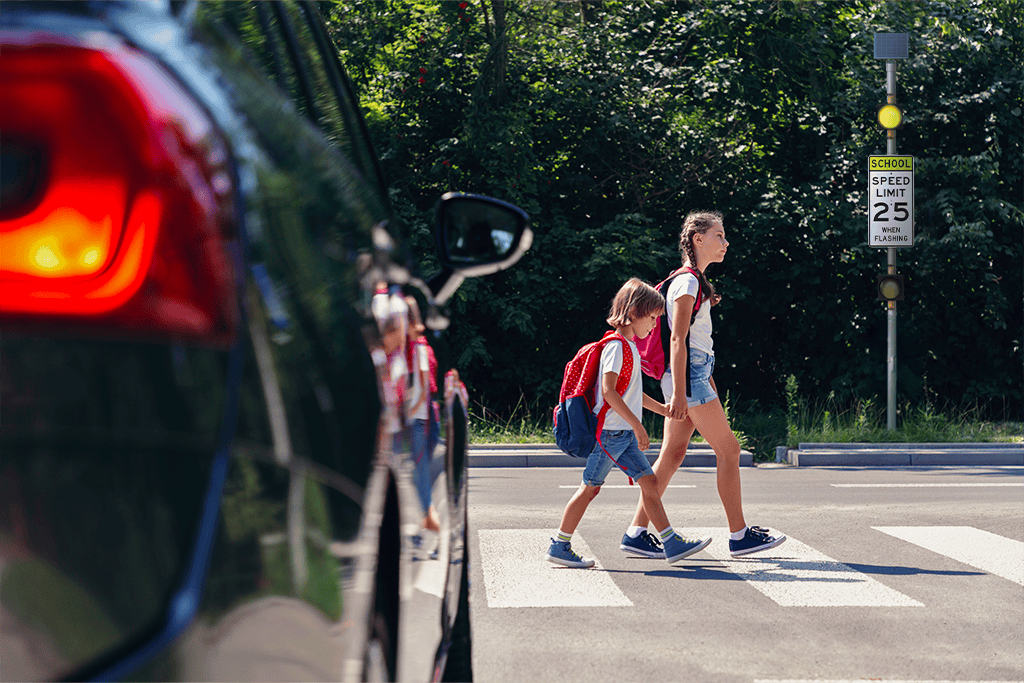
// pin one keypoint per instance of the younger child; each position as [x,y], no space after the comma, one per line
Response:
[634,311]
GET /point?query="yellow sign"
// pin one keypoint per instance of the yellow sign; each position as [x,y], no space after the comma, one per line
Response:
[891,163]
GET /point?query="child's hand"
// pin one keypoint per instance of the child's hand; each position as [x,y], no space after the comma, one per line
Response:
[642,439]
[678,408]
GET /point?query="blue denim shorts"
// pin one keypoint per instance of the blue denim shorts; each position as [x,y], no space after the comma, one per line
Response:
[701,366]
[620,444]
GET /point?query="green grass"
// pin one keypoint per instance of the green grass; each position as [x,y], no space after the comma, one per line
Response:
[525,424]
[533,425]
[865,422]
[761,429]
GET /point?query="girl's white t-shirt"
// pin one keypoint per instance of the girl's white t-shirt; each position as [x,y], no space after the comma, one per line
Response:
[611,361]
[413,393]
[700,330]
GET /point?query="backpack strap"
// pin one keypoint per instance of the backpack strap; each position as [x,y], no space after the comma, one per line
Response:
[621,384]
[693,316]
[625,374]
[666,334]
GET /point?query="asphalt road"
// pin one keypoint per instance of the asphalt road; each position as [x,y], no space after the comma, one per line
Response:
[893,574]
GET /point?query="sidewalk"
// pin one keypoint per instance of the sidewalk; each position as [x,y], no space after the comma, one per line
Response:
[805,455]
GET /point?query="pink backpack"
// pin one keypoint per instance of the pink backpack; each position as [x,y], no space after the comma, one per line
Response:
[654,348]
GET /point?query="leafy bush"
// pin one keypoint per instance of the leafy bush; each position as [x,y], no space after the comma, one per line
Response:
[610,121]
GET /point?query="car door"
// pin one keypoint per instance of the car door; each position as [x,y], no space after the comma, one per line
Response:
[313,508]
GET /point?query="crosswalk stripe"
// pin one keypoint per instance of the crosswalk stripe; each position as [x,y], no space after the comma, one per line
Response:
[861,680]
[950,485]
[517,575]
[796,575]
[627,486]
[974,547]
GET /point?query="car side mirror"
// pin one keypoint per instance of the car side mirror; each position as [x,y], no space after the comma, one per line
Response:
[480,235]
[477,235]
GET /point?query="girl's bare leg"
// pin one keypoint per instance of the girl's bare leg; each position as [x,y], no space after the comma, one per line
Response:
[710,421]
[673,450]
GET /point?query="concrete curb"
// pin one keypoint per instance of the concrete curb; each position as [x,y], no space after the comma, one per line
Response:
[806,455]
[901,454]
[548,455]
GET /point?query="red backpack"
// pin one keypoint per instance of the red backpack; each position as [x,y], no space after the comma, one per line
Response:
[654,348]
[576,427]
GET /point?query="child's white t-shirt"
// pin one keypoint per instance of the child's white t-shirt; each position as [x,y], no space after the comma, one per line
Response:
[700,330]
[611,361]
[395,372]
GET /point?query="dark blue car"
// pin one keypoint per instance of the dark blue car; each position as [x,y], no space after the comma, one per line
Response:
[207,468]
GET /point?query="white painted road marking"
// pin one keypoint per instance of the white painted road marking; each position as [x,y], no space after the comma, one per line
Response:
[792,574]
[431,577]
[517,575]
[861,680]
[980,549]
[974,484]
[627,486]
[796,575]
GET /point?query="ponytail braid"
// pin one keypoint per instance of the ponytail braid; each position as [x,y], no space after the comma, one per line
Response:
[698,222]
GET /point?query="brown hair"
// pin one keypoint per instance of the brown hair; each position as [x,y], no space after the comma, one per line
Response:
[414,312]
[698,223]
[634,296]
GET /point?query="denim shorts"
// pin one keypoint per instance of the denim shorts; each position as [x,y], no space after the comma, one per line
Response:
[620,444]
[701,366]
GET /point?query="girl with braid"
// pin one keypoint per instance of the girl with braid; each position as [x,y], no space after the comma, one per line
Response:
[695,405]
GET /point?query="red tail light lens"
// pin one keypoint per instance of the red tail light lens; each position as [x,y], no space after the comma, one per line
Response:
[115,199]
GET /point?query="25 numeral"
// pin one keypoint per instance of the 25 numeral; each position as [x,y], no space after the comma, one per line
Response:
[899,209]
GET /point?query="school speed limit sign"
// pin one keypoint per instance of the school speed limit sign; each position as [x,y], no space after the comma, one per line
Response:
[891,201]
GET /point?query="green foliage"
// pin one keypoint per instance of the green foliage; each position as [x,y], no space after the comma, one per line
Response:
[609,121]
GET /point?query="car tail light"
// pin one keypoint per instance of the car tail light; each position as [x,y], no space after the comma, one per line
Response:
[115,197]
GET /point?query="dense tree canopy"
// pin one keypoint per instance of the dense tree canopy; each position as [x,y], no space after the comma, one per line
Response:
[609,121]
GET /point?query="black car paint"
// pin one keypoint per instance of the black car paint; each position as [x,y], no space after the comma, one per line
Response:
[177,512]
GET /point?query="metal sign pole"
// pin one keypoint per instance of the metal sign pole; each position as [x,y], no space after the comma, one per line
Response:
[890,356]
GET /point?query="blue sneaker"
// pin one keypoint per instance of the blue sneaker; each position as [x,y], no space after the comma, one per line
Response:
[754,541]
[563,554]
[677,547]
[646,545]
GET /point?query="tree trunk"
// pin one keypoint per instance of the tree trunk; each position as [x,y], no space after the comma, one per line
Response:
[499,52]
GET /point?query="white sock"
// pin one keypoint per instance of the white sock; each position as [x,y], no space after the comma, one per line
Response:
[562,536]
[666,533]
[635,531]
[738,535]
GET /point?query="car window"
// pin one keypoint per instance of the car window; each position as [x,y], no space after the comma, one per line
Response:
[289,45]
[316,214]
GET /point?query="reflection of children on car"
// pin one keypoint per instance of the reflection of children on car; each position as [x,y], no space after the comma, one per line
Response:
[420,409]
[390,311]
